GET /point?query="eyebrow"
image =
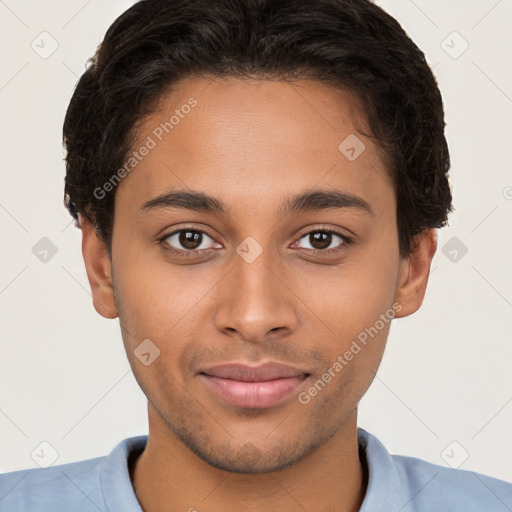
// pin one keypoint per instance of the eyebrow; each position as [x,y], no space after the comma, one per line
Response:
[315,200]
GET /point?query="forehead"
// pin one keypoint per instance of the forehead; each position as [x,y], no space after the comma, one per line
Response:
[258,139]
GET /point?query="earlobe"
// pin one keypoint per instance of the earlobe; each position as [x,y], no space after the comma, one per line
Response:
[99,270]
[414,273]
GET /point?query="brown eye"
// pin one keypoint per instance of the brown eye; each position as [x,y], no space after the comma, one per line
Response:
[321,240]
[187,240]
[190,239]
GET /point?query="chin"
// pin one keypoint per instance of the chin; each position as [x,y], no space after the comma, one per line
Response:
[249,458]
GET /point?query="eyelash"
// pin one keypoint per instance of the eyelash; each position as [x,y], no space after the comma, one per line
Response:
[347,242]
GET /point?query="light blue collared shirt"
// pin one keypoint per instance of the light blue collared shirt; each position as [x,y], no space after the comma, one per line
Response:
[396,484]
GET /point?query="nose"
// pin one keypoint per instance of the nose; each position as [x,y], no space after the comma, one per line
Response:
[255,299]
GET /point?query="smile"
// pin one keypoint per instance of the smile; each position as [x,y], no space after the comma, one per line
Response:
[255,387]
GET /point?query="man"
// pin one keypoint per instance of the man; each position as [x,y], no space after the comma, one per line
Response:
[258,184]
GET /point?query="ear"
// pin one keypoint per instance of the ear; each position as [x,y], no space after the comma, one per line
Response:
[414,273]
[99,270]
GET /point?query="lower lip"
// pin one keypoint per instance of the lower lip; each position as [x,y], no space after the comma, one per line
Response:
[258,394]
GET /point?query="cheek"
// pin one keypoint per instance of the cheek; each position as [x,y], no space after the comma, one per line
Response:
[354,310]
[352,296]
[159,301]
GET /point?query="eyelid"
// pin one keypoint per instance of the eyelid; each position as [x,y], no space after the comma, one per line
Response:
[347,240]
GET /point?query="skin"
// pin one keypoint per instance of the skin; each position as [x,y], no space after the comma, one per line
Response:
[252,144]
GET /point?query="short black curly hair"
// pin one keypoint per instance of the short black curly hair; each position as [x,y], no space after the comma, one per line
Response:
[352,44]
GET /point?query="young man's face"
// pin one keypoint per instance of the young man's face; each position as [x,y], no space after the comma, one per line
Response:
[252,288]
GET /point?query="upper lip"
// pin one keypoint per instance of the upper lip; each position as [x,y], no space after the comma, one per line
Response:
[244,372]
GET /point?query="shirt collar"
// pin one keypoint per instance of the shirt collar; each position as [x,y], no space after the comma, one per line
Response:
[384,482]
[116,485]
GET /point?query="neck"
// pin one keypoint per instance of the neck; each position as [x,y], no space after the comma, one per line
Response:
[168,477]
